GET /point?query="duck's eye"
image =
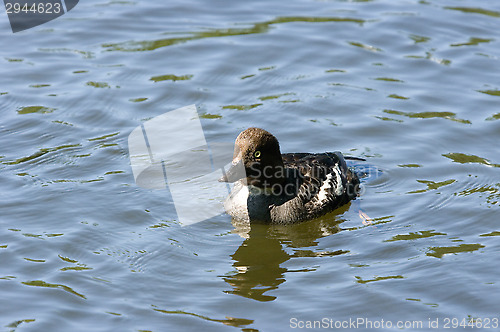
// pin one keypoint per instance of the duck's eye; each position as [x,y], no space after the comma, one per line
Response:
[257,154]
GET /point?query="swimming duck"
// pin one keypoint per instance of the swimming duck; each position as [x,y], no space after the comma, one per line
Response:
[277,188]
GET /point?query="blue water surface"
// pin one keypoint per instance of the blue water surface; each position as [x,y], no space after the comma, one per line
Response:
[411,86]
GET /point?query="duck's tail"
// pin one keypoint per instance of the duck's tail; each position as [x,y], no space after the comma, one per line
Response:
[366,172]
[354,158]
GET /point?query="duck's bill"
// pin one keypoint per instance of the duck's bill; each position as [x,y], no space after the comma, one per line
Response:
[234,173]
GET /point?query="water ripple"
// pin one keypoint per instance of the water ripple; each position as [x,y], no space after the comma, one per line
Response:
[257,28]
[410,86]
[41,283]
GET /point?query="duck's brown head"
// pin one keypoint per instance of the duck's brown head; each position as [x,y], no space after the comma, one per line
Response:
[257,158]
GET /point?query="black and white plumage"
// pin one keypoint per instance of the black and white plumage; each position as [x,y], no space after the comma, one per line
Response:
[285,188]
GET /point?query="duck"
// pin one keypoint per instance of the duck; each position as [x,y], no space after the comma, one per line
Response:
[275,188]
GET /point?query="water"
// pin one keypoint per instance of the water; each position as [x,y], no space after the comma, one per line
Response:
[411,86]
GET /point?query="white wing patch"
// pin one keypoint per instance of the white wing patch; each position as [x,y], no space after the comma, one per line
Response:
[323,193]
[323,190]
[340,188]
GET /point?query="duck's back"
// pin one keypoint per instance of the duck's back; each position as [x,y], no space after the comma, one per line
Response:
[323,183]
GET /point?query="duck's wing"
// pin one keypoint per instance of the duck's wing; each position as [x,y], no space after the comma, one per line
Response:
[294,157]
[291,158]
[325,182]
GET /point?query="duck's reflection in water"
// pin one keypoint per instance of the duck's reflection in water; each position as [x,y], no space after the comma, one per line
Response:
[258,262]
